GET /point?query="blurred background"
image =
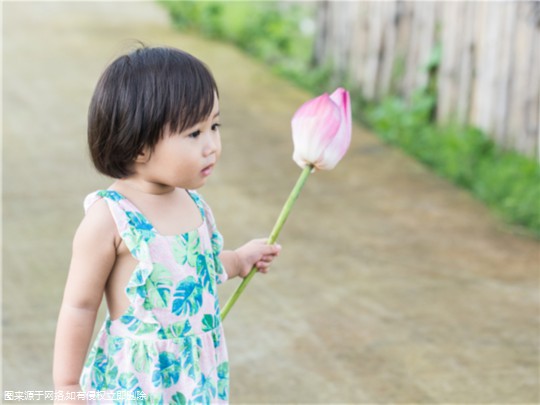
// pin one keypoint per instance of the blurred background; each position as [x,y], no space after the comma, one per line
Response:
[410,273]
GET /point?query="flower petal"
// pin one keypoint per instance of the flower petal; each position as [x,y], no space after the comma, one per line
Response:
[314,126]
[335,151]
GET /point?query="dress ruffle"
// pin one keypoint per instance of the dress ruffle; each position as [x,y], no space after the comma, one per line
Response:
[136,239]
[216,239]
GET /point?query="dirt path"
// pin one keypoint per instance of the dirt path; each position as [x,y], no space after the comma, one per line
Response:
[394,286]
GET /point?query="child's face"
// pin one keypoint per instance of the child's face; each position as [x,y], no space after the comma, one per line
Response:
[184,159]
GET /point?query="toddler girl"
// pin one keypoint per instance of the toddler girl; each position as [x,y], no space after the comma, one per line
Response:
[149,242]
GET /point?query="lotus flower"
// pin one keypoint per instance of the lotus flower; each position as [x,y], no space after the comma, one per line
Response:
[321,130]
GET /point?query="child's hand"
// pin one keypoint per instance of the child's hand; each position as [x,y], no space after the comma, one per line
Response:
[256,253]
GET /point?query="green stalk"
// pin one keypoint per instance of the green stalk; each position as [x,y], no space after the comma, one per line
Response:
[273,236]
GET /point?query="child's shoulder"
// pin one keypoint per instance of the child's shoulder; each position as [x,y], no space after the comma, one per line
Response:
[98,217]
[98,195]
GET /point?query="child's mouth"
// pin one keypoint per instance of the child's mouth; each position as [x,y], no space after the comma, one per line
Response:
[207,171]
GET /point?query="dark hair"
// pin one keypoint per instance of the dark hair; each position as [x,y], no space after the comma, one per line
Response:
[137,96]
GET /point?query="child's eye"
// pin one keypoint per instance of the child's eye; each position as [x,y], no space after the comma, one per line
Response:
[195,134]
[215,127]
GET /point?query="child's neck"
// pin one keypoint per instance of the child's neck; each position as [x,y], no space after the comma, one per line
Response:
[145,187]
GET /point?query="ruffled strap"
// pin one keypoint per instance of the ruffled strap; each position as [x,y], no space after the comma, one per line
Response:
[137,233]
[215,236]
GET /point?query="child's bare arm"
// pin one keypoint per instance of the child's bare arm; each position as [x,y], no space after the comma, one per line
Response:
[93,257]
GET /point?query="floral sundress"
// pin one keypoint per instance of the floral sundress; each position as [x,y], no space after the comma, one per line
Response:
[169,346]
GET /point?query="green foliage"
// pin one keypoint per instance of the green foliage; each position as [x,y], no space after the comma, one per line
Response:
[263,29]
[507,181]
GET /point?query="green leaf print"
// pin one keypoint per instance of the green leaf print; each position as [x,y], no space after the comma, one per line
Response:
[205,391]
[188,353]
[216,337]
[218,268]
[179,329]
[204,271]
[99,369]
[136,326]
[127,381]
[223,380]
[139,224]
[209,322]
[217,242]
[115,345]
[136,243]
[110,377]
[186,248]
[142,355]
[158,286]
[187,297]
[167,370]
[103,376]
[153,399]
[179,399]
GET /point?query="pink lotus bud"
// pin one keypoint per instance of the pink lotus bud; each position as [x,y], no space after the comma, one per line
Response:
[321,130]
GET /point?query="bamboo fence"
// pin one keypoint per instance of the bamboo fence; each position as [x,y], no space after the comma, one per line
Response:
[488,73]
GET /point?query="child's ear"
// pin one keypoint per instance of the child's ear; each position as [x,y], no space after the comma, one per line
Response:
[143,156]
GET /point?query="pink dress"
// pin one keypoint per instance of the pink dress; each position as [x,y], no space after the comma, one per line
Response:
[168,347]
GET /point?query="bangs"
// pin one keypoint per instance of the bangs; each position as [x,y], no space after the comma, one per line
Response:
[191,94]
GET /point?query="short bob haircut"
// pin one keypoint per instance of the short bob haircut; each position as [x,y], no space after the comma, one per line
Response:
[137,96]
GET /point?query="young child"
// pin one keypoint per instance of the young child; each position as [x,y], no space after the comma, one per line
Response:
[149,242]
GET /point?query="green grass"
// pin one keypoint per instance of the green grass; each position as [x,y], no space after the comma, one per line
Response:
[506,181]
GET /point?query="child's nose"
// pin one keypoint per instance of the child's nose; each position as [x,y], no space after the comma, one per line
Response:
[212,144]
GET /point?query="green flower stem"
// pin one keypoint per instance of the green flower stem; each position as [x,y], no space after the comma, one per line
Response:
[273,236]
